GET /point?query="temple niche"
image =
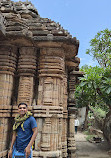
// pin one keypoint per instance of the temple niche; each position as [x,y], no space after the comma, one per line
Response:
[38,66]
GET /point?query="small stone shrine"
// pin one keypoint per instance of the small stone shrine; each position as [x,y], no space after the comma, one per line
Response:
[38,66]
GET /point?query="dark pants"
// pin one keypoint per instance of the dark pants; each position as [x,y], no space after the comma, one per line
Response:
[76,129]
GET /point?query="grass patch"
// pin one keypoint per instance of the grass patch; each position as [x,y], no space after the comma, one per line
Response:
[86,132]
[88,135]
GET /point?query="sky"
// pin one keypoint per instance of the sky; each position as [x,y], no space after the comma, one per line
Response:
[82,18]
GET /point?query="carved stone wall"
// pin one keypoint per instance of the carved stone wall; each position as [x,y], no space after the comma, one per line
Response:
[38,66]
[7,68]
[26,70]
[50,96]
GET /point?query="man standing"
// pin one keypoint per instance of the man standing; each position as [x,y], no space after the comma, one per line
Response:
[76,124]
[24,132]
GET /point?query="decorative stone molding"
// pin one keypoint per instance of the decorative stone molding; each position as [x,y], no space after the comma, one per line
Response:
[27,62]
[2,25]
[8,58]
[44,154]
[27,65]
[41,111]
[4,153]
[5,111]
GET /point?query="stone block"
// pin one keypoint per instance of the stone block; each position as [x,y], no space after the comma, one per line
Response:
[56,154]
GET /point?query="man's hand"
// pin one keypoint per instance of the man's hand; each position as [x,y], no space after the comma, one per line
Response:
[27,151]
[10,153]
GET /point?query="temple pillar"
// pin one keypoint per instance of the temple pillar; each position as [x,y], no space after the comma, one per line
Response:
[73,75]
[71,135]
[65,116]
[27,65]
[50,104]
[71,116]
[8,58]
[72,110]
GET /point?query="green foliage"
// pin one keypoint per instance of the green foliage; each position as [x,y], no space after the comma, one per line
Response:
[94,88]
[88,135]
[99,111]
[105,86]
[101,48]
[86,132]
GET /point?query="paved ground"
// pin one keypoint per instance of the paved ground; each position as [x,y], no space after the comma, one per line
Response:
[90,150]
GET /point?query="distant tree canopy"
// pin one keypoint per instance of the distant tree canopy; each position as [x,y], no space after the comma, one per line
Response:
[101,48]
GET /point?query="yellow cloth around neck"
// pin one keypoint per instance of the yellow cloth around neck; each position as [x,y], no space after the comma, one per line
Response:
[20,120]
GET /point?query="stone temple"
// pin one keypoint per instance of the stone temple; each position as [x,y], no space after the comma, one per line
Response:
[38,66]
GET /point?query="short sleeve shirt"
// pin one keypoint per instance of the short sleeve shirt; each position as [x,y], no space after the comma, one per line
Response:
[23,137]
[76,122]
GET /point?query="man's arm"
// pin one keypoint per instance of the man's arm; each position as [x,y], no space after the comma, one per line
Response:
[27,149]
[12,143]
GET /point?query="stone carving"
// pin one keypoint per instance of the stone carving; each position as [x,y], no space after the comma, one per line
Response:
[38,65]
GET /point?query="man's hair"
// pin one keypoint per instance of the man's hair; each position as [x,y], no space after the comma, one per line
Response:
[22,104]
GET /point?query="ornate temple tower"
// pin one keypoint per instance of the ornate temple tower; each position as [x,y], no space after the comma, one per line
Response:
[38,66]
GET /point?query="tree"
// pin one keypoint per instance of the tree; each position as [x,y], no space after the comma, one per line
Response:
[95,90]
[101,48]
[95,87]
[86,92]
[105,87]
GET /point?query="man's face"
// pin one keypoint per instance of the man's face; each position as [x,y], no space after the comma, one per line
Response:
[22,109]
